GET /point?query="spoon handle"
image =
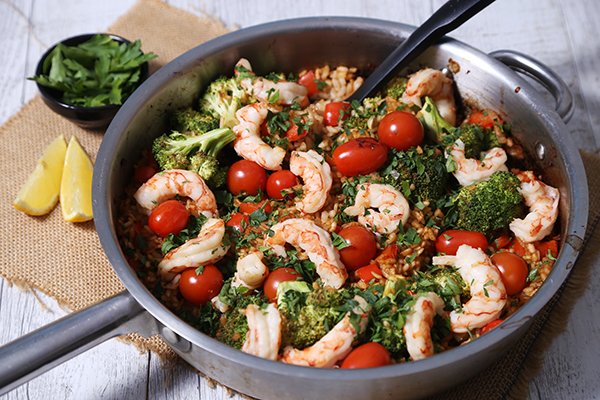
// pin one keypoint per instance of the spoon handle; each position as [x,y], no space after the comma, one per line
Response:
[449,17]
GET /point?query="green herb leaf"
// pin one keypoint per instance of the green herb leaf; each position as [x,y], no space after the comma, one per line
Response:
[339,242]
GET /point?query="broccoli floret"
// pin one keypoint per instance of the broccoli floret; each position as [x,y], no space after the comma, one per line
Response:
[309,316]
[396,87]
[435,126]
[167,159]
[209,168]
[186,150]
[490,205]
[446,282]
[388,316]
[233,324]
[476,139]
[191,120]
[419,173]
[222,99]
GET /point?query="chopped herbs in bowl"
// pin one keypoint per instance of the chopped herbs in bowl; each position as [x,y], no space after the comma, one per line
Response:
[86,78]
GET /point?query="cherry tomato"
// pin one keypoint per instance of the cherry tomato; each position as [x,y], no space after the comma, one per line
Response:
[239,222]
[293,134]
[275,278]
[548,246]
[449,242]
[485,119]
[389,254]
[200,288]
[360,156]
[516,246]
[246,177]
[400,130]
[501,242]
[168,217]
[334,110]
[278,181]
[144,172]
[362,249]
[308,81]
[367,274]
[513,271]
[368,355]
[490,326]
[249,208]
[264,129]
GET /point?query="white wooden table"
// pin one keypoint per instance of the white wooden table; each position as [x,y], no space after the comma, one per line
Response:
[564,35]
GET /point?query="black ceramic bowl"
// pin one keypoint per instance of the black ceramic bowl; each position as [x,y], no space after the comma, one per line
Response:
[86,117]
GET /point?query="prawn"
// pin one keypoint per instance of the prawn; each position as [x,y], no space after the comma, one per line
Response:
[316,175]
[206,248]
[335,345]
[248,143]
[542,201]
[393,207]
[488,294]
[316,242]
[267,91]
[433,83]
[250,271]
[470,170]
[166,185]
[264,331]
[417,329]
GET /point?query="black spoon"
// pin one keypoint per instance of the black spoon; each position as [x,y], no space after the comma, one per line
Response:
[449,17]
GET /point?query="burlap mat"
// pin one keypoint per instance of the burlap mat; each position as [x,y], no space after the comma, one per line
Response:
[66,260]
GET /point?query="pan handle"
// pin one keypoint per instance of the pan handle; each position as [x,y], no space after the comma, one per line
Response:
[547,77]
[45,348]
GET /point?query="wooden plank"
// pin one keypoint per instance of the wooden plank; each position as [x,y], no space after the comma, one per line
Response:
[14,31]
[173,381]
[111,370]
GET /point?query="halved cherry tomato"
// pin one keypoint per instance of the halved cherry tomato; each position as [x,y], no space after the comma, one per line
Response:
[278,181]
[308,81]
[360,156]
[547,246]
[400,130]
[368,355]
[275,278]
[239,222]
[200,288]
[516,246]
[449,241]
[294,133]
[388,254]
[367,274]
[246,177]
[264,129]
[362,247]
[501,242]
[490,326]
[168,217]
[249,208]
[513,271]
[144,172]
[334,111]
[485,119]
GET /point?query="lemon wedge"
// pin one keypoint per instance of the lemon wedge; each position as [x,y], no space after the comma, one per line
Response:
[76,184]
[39,194]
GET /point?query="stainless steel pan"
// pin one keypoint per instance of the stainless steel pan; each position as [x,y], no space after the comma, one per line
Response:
[290,45]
